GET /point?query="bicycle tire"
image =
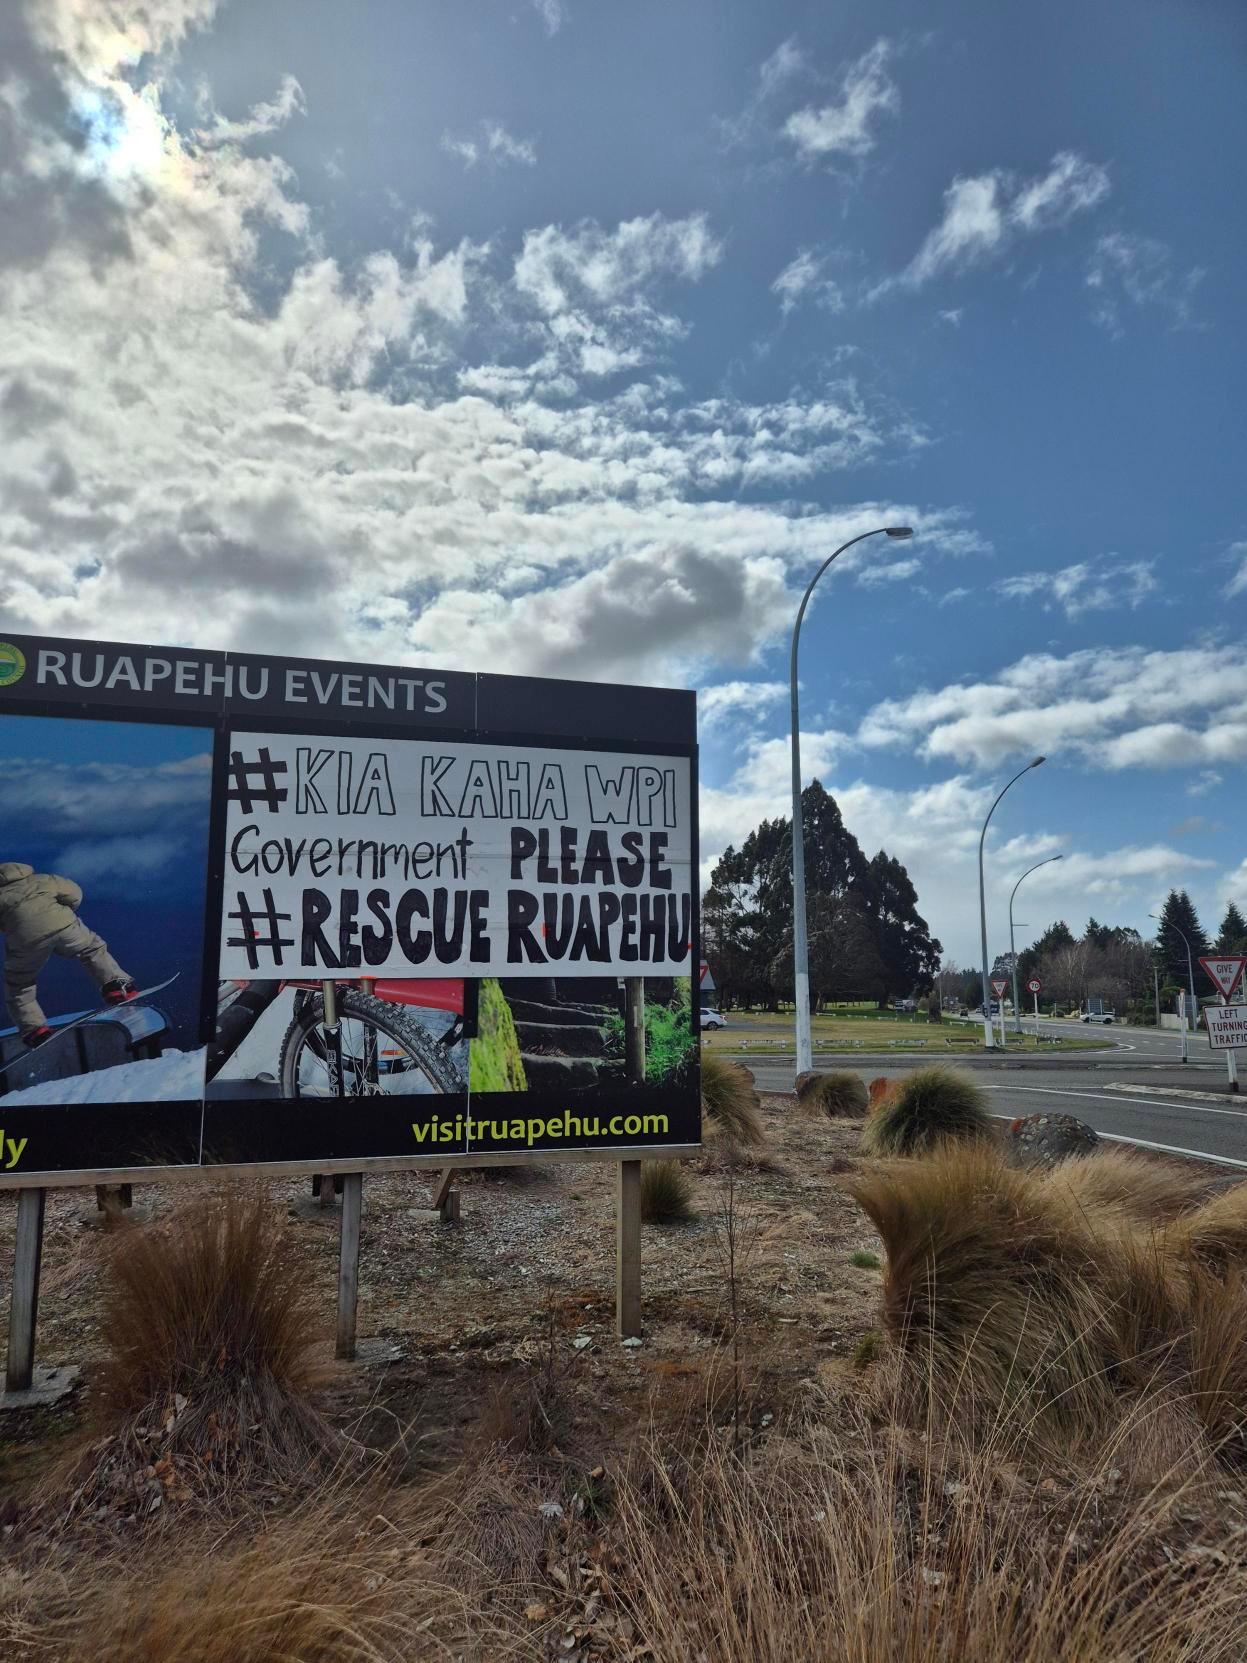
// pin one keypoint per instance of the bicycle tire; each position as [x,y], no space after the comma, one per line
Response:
[429,1054]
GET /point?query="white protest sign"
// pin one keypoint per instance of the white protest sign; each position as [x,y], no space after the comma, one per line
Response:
[384,857]
[1227,1026]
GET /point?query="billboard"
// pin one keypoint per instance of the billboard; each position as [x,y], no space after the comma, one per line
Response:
[261,911]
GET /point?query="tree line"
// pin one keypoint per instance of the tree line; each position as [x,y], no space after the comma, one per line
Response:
[1113,962]
[867,940]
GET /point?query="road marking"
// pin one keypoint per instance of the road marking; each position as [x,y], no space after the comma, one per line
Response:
[1164,1148]
[1119,1098]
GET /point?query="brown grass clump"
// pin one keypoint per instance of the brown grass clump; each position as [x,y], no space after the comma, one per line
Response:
[928,1106]
[842,1547]
[209,1326]
[989,1295]
[1149,1191]
[1218,1360]
[728,1098]
[666,1193]
[836,1094]
[1215,1234]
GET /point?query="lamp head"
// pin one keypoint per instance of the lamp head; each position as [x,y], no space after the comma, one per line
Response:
[1038,761]
[899,530]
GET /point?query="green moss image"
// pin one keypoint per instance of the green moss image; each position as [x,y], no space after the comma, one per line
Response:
[495,1062]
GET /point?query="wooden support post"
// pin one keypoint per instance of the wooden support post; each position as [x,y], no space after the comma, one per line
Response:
[628,1250]
[634,1029]
[348,1261]
[24,1301]
[326,1192]
[446,1197]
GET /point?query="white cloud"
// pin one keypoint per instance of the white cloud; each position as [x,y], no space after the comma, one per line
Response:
[1122,707]
[552,13]
[1208,781]
[984,214]
[1238,583]
[900,571]
[952,316]
[492,144]
[556,267]
[731,701]
[846,128]
[934,831]
[802,278]
[263,118]
[1140,271]
[1089,586]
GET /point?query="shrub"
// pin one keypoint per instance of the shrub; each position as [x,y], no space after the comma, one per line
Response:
[670,1041]
[1215,1235]
[927,1106]
[837,1094]
[666,1193]
[209,1326]
[865,1260]
[729,1101]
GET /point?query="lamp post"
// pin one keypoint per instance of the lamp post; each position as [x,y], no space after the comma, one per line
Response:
[1013,952]
[1190,973]
[989,1038]
[800,945]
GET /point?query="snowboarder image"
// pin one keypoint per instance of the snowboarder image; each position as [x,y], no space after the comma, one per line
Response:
[39,918]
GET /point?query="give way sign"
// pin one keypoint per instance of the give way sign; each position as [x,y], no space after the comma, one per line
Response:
[999,988]
[1225,972]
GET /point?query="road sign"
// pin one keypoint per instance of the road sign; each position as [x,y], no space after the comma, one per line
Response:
[1227,1027]
[1225,972]
[1034,985]
[999,989]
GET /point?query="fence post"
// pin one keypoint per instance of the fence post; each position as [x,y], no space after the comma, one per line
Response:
[24,1302]
[628,1250]
[348,1263]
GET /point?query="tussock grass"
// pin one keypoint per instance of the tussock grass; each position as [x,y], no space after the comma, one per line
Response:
[836,1094]
[844,1547]
[1111,1178]
[1012,1295]
[729,1100]
[927,1107]
[1215,1234]
[666,1193]
[209,1370]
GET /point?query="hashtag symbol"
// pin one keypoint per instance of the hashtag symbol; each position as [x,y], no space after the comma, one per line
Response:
[252,938]
[244,792]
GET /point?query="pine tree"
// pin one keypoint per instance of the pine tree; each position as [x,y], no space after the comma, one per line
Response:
[1179,931]
[1232,936]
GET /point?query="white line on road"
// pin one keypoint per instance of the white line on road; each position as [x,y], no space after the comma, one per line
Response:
[1119,1097]
[1165,1148]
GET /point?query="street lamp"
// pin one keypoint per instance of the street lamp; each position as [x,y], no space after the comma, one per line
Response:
[1013,952]
[800,945]
[1190,972]
[989,1038]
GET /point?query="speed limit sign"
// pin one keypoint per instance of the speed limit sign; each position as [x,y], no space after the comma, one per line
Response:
[1034,985]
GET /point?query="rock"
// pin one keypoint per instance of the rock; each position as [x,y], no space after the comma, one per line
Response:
[1047,1139]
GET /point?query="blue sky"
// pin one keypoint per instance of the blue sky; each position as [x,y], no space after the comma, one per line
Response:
[566,338]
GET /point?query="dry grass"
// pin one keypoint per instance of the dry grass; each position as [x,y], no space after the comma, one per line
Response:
[1215,1234]
[843,1547]
[666,1193]
[729,1100]
[1012,1296]
[929,1106]
[1148,1191]
[209,1369]
[838,1094]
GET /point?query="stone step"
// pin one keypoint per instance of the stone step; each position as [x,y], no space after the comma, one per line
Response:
[579,1016]
[565,1038]
[559,1073]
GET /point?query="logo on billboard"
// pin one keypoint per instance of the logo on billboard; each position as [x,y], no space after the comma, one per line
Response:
[12,664]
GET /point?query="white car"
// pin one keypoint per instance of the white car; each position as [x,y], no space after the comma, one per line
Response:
[713,1019]
[1106,1017]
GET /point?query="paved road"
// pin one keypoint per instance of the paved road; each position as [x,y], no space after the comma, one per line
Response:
[1161,1117]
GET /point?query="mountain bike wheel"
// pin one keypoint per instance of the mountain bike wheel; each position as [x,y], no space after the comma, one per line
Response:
[385,1052]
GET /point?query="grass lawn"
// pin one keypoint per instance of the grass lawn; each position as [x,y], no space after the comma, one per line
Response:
[844,1032]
